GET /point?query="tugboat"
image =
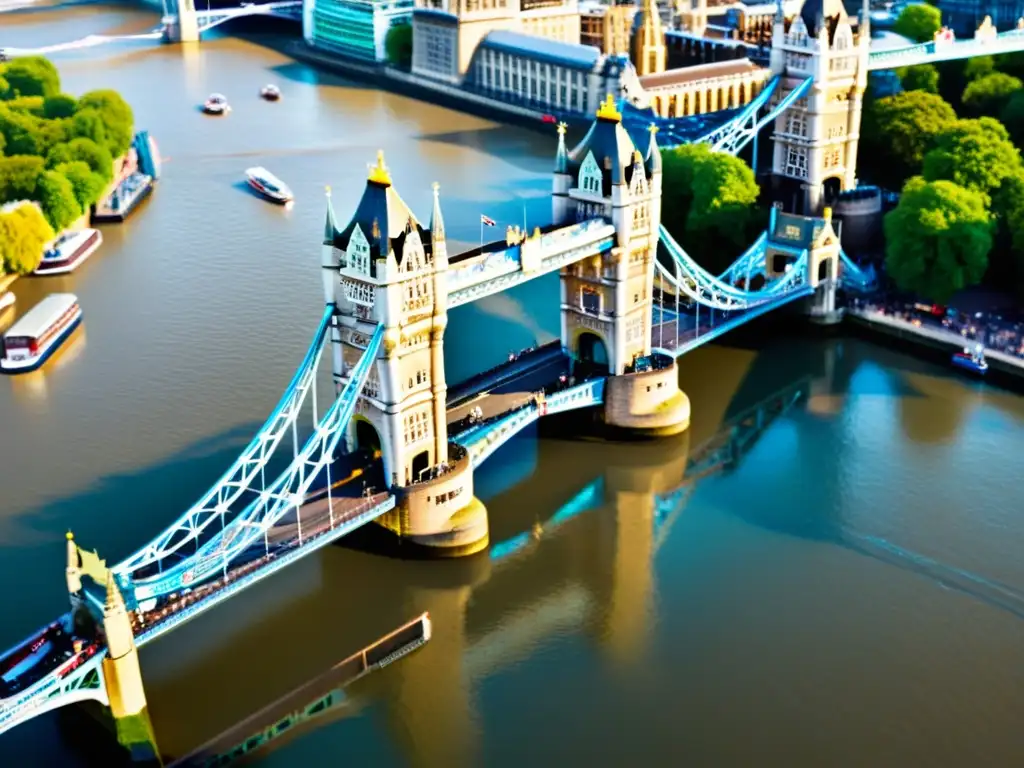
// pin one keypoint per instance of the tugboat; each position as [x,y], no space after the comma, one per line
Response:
[270,93]
[973,361]
[216,104]
[268,185]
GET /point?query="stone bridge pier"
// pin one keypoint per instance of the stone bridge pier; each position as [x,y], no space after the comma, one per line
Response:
[184,24]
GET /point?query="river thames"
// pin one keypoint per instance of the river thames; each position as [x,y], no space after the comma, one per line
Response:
[850,593]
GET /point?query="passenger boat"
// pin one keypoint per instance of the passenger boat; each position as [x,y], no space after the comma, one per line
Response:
[268,185]
[973,361]
[270,93]
[32,339]
[216,104]
[125,198]
[68,251]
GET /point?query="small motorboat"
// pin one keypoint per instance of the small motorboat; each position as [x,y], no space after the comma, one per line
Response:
[268,185]
[972,360]
[270,93]
[216,104]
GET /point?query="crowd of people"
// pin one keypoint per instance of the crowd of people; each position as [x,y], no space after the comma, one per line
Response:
[995,331]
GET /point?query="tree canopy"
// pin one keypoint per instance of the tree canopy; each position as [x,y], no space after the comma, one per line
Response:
[918,22]
[55,150]
[976,154]
[398,44]
[923,77]
[31,76]
[988,95]
[23,235]
[708,202]
[937,239]
[898,130]
[1012,117]
[979,67]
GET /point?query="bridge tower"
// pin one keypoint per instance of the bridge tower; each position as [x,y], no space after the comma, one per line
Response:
[385,268]
[122,677]
[790,235]
[607,300]
[816,139]
[649,46]
[184,27]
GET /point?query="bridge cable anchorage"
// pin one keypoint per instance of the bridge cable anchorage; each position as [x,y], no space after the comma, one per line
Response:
[276,501]
[247,469]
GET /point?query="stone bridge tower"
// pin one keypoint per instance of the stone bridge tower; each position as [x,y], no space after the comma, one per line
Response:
[607,300]
[816,139]
[386,268]
[184,24]
[789,236]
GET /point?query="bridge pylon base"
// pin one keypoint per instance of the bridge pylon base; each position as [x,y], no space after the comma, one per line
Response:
[647,404]
[439,515]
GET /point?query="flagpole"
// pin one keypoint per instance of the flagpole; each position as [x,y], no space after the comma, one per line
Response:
[481,233]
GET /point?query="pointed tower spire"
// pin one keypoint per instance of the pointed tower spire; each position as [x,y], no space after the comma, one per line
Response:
[330,227]
[865,21]
[73,572]
[436,219]
[653,151]
[780,13]
[379,173]
[562,154]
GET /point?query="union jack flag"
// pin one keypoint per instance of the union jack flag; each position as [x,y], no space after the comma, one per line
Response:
[487,221]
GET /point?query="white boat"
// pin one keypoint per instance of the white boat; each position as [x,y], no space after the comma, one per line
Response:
[216,104]
[68,251]
[268,185]
[6,300]
[270,92]
[32,339]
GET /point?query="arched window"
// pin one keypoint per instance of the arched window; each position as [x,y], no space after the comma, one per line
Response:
[590,175]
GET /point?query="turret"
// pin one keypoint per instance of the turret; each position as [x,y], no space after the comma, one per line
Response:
[327,258]
[562,180]
[73,572]
[654,167]
[439,246]
[116,624]
[778,55]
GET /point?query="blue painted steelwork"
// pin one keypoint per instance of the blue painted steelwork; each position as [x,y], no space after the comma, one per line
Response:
[947,50]
[216,503]
[149,159]
[284,495]
[58,689]
[739,132]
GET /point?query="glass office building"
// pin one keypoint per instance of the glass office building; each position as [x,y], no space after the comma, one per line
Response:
[355,28]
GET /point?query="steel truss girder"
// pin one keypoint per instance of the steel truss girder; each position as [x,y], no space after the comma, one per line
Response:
[741,130]
[286,493]
[247,467]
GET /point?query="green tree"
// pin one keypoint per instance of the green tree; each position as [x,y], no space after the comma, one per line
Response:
[712,197]
[4,86]
[398,45]
[918,22]
[979,67]
[57,198]
[989,94]
[1012,118]
[116,115]
[92,154]
[897,132]
[61,105]
[937,239]
[87,184]
[29,105]
[23,235]
[31,76]
[923,77]
[88,124]
[976,154]
[20,131]
[19,176]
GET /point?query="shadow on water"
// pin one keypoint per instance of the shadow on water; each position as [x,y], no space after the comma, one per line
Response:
[513,145]
[32,538]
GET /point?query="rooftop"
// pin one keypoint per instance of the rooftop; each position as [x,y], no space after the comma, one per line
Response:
[699,72]
[542,49]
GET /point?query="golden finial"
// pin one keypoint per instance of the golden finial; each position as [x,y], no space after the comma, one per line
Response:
[827,214]
[652,128]
[327,189]
[436,187]
[608,110]
[562,127]
[70,536]
[379,173]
